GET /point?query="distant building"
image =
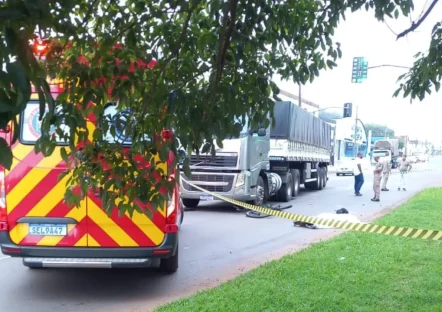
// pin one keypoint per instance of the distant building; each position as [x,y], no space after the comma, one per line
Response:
[344,139]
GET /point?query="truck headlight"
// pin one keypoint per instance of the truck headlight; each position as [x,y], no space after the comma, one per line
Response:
[240,180]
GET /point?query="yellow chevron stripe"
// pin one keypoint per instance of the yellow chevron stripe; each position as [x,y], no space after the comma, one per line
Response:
[31,180]
[91,242]
[19,232]
[148,227]
[398,231]
[407,232]
[427,235]
[438,236]
[82,242]
[418,232]
[21,151]
[391,229]
[109,226]
[50,200]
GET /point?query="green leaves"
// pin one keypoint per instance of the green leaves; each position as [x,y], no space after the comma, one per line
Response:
[426,72]
[5,154]
[214,62]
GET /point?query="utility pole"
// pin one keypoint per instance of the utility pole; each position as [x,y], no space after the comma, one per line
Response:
[355,133]
[299,94]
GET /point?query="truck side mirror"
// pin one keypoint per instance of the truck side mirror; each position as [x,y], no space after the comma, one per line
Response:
[262,132]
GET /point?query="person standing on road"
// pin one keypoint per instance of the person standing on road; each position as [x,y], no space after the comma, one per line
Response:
[359,176]
[385,174]
[377,177]
[404,168]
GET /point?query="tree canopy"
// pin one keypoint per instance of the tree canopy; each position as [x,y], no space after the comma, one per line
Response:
[214,62]
[379,130]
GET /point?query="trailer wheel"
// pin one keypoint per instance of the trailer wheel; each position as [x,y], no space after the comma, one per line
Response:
[324,179]
[285,192]
[320,180]
[190,202]
[296,181]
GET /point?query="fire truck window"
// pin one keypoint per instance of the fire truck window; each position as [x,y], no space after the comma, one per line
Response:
[119,121]
[30,125]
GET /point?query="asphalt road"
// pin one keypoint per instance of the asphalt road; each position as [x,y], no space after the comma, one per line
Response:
[217,243]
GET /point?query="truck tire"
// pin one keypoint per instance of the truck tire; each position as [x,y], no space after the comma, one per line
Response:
[296,181]
[320,180]
[285,192]
[315,185]
[261,198]
[169,265]
[324,180]
[190,202]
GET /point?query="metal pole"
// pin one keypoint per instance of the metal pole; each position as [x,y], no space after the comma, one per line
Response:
[299,94]
[370,134]
[356,127]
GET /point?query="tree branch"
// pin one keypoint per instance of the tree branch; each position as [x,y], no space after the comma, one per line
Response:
[414,25]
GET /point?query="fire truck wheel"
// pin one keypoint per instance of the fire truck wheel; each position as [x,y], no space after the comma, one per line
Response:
[169,265]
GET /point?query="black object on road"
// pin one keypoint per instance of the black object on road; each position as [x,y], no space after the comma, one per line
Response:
[259,215]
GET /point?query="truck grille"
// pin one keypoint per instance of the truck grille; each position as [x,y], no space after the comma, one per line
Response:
[210,178]
[217,161]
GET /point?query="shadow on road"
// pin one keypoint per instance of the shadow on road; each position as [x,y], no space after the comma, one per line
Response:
[86,285]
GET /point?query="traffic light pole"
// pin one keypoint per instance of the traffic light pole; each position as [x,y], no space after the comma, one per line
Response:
[355,133]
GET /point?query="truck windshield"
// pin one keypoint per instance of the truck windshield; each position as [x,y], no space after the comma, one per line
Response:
[30,125]
[245,128]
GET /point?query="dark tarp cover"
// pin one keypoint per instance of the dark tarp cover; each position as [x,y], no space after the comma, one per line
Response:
[296,124]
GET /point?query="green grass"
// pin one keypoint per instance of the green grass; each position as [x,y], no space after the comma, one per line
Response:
[352,272]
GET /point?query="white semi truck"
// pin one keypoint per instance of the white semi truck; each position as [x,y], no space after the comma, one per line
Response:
[263,164]
[387,149]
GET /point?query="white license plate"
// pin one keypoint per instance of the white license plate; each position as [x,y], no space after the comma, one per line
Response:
[48,229]
[206,197]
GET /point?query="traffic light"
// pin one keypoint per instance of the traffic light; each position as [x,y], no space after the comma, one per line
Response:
[359,70]
[348,108]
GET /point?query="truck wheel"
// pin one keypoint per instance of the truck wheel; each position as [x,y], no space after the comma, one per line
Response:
[296,181]
[324,179]
[320,180]
[285,192]
[261,192]
[170,265]
[190,202]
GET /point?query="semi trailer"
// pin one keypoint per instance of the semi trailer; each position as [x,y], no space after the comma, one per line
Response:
[265,163]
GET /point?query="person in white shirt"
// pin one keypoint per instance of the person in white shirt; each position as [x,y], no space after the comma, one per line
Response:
[359,176]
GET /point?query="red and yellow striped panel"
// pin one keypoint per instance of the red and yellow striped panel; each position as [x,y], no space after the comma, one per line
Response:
[33,190]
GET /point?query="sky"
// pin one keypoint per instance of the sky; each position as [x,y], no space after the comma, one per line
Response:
[362,35]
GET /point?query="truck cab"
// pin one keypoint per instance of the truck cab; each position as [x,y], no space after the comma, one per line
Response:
[235,170]
[264,163]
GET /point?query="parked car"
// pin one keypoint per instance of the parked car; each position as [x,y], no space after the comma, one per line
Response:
[346,168]
[421,157]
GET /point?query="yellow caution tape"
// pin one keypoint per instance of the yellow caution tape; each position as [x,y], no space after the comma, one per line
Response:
[413,171]
[358,227]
